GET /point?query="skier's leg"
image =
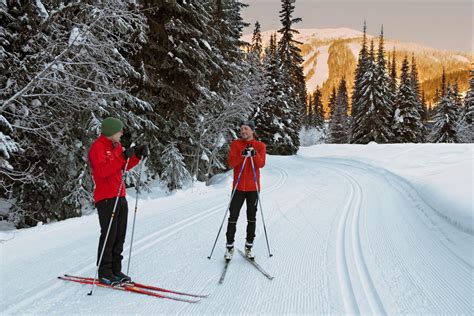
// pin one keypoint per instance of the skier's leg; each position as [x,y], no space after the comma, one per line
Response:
[104,209]
[122,216]
[251,199]
[234,209]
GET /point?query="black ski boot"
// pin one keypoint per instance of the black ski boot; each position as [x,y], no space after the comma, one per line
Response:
[122,277]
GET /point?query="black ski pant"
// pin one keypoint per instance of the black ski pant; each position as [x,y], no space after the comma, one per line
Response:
[251,197]
[112,258]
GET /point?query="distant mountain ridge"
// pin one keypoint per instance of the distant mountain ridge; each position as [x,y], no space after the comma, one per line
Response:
[331,53]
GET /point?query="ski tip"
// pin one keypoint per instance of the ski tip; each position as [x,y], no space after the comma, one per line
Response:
[209,257]
[271,255]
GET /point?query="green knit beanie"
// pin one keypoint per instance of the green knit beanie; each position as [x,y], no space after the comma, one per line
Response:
[111,125]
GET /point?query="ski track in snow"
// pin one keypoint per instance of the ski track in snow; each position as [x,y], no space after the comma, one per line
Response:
[347,238]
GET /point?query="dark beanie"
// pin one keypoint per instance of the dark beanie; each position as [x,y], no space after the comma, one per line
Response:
[248,123]
[111,126]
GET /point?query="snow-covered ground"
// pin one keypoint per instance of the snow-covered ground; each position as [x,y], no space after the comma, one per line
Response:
[377,229]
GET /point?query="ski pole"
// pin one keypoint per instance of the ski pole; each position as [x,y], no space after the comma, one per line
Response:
[108,230]
[261,209]
[135,213]
[227,210]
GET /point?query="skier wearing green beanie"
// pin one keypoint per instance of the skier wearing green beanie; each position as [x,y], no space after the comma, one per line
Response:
[107,160]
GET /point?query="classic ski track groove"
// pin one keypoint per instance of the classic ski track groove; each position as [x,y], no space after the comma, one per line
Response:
[348,238]
[419,279]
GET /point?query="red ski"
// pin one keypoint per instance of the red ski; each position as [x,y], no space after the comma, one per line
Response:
[144,286]
[128,288]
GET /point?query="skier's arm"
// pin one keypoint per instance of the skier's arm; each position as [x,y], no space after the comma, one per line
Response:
[132,162]
[235,157]
[259,159]
[103,167]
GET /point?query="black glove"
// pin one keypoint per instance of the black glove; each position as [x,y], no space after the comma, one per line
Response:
[141,151]
[128,152]
[249,150]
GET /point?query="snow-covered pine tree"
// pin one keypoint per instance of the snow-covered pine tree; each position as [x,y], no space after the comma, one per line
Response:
[358,80]
[294,81]
[256,86]
[267,112]
[175,173]
[466,125]
[393,80]
[257,45]
[446,119]
[275,122]
[338,124]
[408,126]
[373,121]
[384,98]
[317,110]
[415,81]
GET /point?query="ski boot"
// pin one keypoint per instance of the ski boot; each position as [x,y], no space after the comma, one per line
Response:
[229,252]
[248,251]
[122,277]
[109,280]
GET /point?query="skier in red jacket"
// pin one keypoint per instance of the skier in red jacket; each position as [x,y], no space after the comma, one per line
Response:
[107,160]
[246,190]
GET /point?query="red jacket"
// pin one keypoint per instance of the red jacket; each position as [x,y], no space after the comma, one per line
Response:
[107,163]
[247,182]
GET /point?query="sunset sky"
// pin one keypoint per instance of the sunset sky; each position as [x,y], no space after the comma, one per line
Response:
[444,24]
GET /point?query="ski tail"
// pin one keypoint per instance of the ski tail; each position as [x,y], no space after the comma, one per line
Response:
[256,265]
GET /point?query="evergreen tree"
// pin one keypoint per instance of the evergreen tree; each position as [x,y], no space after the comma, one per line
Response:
[257,46]
[291,59]
[446,119]
[372,121]
[175,173]
[466,126]
[338,124]
[317,110]
[362,63]
[408,126]
[332,101]
[255,76]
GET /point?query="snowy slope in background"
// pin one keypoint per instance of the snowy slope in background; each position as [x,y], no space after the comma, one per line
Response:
[441,173]
[348,237]
[430,61]
[305,35]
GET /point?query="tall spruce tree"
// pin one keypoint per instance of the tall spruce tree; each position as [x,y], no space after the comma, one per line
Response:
[373,119]
[445,129]
[408,126]
[274,121]
[317,110]
[415,81]
[256,45]
[358,79]
[466,125]
[338,124]
[291,60]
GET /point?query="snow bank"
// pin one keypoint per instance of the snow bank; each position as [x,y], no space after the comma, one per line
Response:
[440,173]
